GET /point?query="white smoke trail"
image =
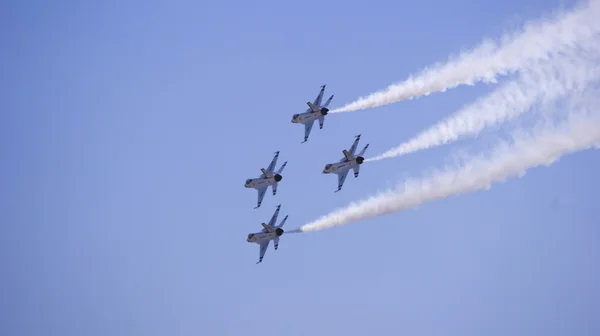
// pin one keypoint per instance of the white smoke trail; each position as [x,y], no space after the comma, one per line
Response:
[545,82]
[581,131]
[537,40]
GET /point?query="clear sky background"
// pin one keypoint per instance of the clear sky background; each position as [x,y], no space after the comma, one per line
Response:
[128,128]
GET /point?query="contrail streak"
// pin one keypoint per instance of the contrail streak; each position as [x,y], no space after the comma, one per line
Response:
[546,82]
[538,40]
[579,132]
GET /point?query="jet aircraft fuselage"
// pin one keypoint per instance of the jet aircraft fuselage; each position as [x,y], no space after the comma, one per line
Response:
[315,111]
[349,161]
[259,237]
[302,118]
[334,168]
[270,232]
[262,182]
[268,178]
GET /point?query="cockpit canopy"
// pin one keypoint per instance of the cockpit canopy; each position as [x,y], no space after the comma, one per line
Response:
[295,116]
[327,166]
[248,181]
[250,235]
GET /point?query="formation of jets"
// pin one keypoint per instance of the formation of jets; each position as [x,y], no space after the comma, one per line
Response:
[270,177]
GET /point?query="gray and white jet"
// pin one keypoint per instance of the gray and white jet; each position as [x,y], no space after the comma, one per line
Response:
[270,232]
[268,178]
[349,161]
[315,111]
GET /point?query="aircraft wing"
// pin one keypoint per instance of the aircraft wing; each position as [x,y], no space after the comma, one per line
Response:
[319,96]
[261,195]
[354,145]
[274,217]
[263,249]
[271,166]
[341,179]
[307,127]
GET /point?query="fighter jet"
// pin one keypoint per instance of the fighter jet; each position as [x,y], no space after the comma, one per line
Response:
[315,111]
[268,178]
[270,232]
[349,161]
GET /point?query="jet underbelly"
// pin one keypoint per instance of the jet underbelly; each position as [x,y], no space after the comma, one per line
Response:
[342,167]
[260,237]
[308,117]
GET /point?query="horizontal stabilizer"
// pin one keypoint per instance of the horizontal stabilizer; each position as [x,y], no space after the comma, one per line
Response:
[283,221]
[328,101]
[362,152]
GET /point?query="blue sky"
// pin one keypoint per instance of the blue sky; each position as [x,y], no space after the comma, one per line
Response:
[129,127]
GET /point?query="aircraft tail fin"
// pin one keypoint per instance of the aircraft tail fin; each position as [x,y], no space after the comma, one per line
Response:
[348,156]
[267,228]
[266,173]
[313,108]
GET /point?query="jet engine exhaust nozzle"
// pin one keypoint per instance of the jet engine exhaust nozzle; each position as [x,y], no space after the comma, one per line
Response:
[324,111]
[277,177]
[360,160]
[279,231]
